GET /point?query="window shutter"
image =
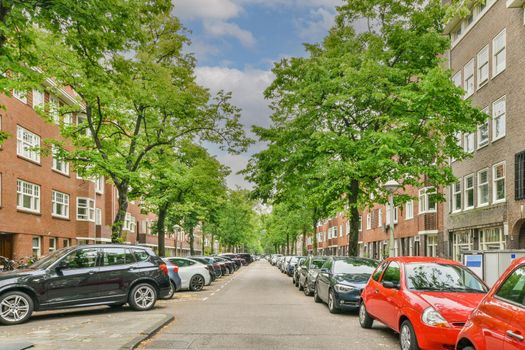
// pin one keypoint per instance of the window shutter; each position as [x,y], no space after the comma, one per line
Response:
[519,176]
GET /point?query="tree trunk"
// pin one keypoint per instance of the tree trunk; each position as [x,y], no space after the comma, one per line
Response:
[202,252]
[305,252]
[353,195]
[212,244]
[161,229]
[192,241]
[118,222]
[314,238]
[287,244]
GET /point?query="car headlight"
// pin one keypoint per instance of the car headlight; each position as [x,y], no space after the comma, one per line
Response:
[341,288]
[433,318]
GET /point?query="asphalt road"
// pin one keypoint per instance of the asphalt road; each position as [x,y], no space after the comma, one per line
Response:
[259,308]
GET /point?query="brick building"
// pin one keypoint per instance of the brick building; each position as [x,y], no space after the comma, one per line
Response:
[44,205]
[486,206]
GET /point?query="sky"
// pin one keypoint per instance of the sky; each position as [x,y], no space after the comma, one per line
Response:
[236,43]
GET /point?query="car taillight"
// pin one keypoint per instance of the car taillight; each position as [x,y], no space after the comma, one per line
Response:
[164,268]
[176,269]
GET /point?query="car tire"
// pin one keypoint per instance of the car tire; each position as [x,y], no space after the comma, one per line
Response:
[316,295]
[173,289]
[468,348]
[300,286]
[332,307]
[197,282]
[21,306]
[143,297]
[365,320]
[407,336]
[306,289]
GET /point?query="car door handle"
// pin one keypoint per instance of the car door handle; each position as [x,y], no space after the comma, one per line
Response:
[515,335]
[377,291]
[91,272]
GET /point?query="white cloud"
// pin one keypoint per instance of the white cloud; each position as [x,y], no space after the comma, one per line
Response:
[214,9]
[220,28]
[317,25]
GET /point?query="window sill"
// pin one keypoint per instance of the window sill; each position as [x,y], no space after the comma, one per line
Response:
[499,138]
[482,146]
[29,160]
[495,75]
[60,172]
[85,220]
[483,84]
[483,205]
[28,211]
[58,217]
[499,201]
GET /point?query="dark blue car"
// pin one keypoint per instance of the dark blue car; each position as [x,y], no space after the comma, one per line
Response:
[341,281]
[175,281]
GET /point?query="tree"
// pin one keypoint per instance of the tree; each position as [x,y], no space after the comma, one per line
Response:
[137,101]
[369,106]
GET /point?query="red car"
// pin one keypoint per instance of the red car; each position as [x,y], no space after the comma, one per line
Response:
[499,320]
[426,300]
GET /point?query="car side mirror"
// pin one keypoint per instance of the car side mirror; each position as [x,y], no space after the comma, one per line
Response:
[325,270]
[61,265]
[390,285]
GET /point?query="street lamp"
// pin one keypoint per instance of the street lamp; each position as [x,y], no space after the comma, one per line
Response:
[391,186]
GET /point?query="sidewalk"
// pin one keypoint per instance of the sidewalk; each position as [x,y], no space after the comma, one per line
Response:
[99,328]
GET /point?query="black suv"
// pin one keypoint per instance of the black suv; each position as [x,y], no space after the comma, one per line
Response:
[87,275]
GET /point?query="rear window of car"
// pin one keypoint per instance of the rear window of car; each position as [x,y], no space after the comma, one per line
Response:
[513,289]
[117,256]
[141,254]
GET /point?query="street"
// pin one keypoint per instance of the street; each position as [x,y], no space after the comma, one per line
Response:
[259,308]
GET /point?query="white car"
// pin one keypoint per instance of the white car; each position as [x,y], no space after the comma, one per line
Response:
[194,275]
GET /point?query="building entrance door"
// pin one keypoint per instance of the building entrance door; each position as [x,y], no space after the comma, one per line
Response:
[6,246]
[522,236]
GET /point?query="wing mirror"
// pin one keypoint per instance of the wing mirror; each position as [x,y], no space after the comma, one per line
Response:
[325,270]
[390,285]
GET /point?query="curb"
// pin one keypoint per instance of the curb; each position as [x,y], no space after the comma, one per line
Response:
[148,333]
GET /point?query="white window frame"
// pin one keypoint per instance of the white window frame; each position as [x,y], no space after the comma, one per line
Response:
[388,213]
[469,83]
[59,165]
[499,113]
[483,61]
[54,107]
[37,247]
[481,144]
[25,188]
[63,201]
[20,95]
[466,190]
[52,247]
[455,191]
[99,185]
[66,242]
[480,185]
[492,244]
[494,183]
[380,217]
[469,143]
[89,206]
[98,216]
[497,51]
[457,79]
[127,222]
[409,210]
[368,221]
[25,140]
[424,201]
[40,101]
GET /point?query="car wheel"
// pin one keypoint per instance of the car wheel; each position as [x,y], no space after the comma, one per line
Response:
[316,295]
[196,283]
[300,286]
[364,318]
[15,307]
[173,288]
[332,307]
[468,348]
[306,289]
[143,297]
[407,336]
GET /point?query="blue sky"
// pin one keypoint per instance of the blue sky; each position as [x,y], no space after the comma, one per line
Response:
[236,43]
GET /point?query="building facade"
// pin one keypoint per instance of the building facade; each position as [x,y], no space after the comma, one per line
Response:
[44,204]
[486,206]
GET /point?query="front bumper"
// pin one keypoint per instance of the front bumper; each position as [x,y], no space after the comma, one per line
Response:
[430,337]
[348,300]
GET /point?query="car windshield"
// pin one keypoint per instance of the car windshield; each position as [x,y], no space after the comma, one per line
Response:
[50,259]
[316,264]
[294,260]
[359,269]
[442,278]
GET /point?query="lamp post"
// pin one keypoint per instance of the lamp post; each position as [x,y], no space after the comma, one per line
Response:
[391,186]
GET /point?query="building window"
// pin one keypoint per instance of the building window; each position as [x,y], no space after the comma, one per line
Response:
[468,142]
[60,203]
[483,66]
[492,239]
[483,187]
[360,225]
[388,214]
[380,217]
[26,142]
[456,196]
[38,98]
[59,164]
[468,78]
[99,185]
[20,95]
[409,210]
[462,241]
[85,209]
[54,105]
[52,244]
[427,201]
[469,191]
[519,176]
[368,221]
[432,242]
[498,182]
[65,243]
[127,222]
[98,216]
[499,53]
[483,131]
[456,79]
[498,118]
[36,247]
[28,196]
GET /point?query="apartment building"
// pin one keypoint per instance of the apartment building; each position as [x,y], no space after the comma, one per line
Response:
[486,206]
[44,204]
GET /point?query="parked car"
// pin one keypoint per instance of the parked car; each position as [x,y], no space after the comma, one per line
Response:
[235,258]
[227,266]
[206,263]
[217,270]
[341,280]
[274,258]
[499,320]
[247,257]
[175,281]
[85,275]
[308,273]
[193,274]
[297,267]
[291,265]
[426,300]
[284,263]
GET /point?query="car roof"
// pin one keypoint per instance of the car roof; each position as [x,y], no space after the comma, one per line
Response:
[422,259]
[110,245]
